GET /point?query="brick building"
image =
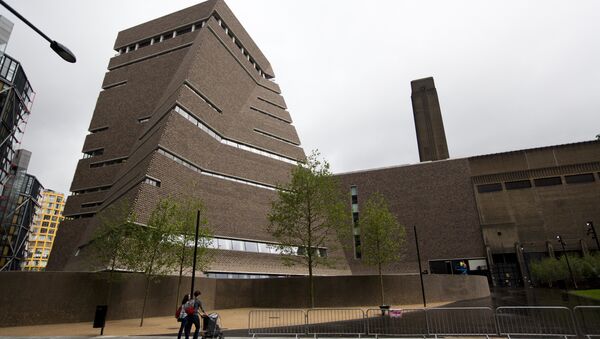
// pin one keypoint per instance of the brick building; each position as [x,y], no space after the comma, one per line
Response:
[190,101]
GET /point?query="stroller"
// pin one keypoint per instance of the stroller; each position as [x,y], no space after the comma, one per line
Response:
[211,327]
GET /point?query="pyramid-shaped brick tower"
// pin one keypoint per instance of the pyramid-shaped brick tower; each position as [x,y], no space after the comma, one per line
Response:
[189,101]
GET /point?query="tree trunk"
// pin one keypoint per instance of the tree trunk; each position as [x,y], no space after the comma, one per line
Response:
[148,276]
[309,249]
[180,274]
[110,283]
[379,256]
[311,286]
[145,298]
[381,284]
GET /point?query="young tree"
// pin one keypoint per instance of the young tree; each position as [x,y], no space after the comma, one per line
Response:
[382,236]
[151,246]
[307,213]
[109,244]
[185,230]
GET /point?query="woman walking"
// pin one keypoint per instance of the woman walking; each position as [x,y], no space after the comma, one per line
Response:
[183,318]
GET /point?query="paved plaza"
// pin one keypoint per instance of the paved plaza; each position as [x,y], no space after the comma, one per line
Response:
[233,321]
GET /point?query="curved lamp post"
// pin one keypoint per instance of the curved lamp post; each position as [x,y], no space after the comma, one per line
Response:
[591,230]
[57,47]
[562,243]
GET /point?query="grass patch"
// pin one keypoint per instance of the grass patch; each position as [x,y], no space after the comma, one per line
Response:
[593,294]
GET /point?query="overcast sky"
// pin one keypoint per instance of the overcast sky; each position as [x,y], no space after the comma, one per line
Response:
[509,74]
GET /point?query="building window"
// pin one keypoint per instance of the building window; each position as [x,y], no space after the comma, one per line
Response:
[224,244]
[237,245]
[551,181]
[93,153]
[144,43]
[184,30]
[152,181]
[355,224]
[487,188]
[99,129]
[251,247]
[108,162]
[516,185]
[579,178]
[258,247]
[90,204]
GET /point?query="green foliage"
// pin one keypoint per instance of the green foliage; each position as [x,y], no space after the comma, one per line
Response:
[163,246]
[109,244]
[184,223]
[591,266]
[382,236]
[158,248]
[308,213]
[184,229]
[150,249]
[550,270]
[592,294]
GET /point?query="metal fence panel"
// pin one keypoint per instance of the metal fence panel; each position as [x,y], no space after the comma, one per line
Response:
[535,320]
[335,321]
[461,321]
[588,319]
[279,321]
[407,322]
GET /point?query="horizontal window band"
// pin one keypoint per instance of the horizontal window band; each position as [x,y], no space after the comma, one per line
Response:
[257,82]
[116,84]
[185,113]
[538,173]
[273,136]
[154,55]
[98,129]
[202,96]
[197,25]
[170,155]
[270,114]
[91,190]
[272,103]
[108,162]
[91,204]
[240,46]
[79,215]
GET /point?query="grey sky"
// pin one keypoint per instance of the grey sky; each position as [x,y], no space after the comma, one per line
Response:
[509,74]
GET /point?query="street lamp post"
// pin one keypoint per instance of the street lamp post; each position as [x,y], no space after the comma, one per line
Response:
[57,47]
[420,269]
[529,280]
[195,252]
[562,243]
[591,230]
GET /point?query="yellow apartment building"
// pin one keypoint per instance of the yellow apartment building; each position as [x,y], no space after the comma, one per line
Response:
[43,230]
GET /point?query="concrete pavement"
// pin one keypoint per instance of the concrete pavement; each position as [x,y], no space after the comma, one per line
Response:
[231,319]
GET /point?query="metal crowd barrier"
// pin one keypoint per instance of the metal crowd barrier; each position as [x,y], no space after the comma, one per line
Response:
[588,320]
[335,321]
[444,321]
[535,321]
[282,322]
[397,322]
[464,321]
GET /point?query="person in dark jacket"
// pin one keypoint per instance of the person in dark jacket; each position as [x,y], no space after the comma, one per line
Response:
[195,318]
